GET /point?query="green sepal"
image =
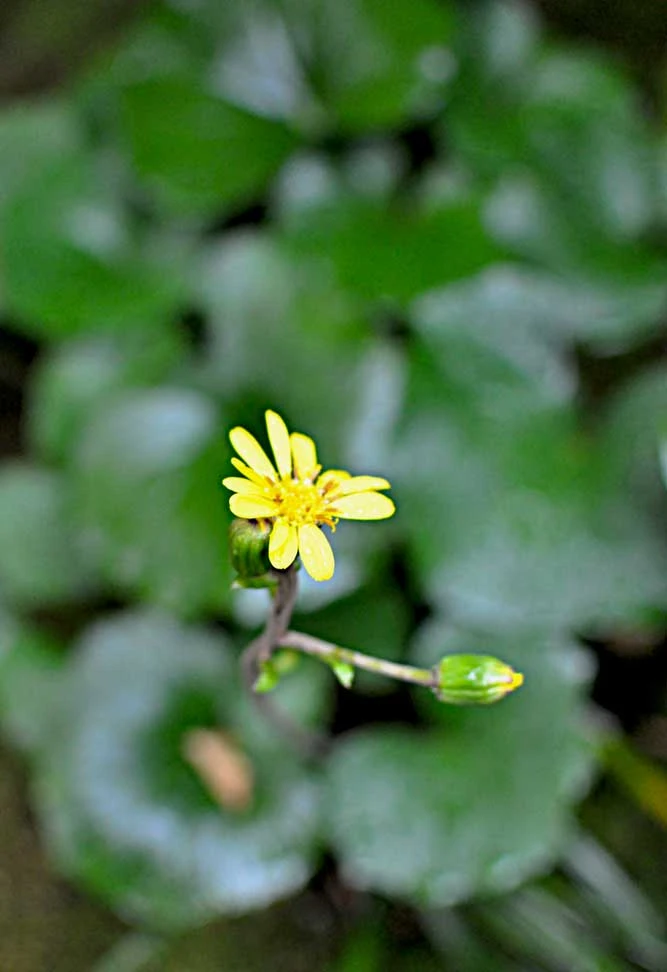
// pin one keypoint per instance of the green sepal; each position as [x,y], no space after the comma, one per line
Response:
[249,550]
[473,679]
[268,581]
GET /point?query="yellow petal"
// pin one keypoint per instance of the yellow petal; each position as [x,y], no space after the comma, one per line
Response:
[239,485]
[283,545]
[279,439]
[360,484]
[331,478]
[251,452]
[251,507]
[362,506]
[316,552]
[305,456]
[248,472]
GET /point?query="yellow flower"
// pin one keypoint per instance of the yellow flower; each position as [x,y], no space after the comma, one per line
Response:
[297,497]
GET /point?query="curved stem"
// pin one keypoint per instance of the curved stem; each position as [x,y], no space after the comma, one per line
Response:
[308,743]
[333,654]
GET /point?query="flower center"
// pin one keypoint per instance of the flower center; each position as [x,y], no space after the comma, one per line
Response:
[301,503]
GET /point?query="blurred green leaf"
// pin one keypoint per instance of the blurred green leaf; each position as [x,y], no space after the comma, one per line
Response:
[367,65]
[31,685]
[377,64]
[125,814]
[72,260]
[527,216]
[535,925]
[439,816]
[530,317]
[276,326]
[33,137]
[586,132]
[197,153]
[72,379]
[575,120]
[374,619]
[492,347]
[502,41]
[461,944]
[146,476]
[391,251]
[618,902]
[42,555]
[526,521]
[634,423]
[561,135]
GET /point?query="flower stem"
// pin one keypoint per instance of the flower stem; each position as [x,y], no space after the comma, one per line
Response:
[334,654]
[310,744]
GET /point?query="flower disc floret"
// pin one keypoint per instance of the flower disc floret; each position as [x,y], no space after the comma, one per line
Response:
[297,497]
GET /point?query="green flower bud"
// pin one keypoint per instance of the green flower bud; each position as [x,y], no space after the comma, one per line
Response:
[473,679]
[249,548]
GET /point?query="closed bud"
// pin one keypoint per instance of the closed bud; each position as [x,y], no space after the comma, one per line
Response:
[473,679]
[249,549]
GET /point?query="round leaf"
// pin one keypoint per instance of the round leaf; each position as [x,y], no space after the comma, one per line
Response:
[124,812]
[527,521]
[477,806]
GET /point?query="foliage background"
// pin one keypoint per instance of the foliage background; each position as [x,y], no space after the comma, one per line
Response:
[434,237]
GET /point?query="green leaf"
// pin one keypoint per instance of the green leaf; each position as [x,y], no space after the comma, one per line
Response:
[535,924]
[146,478]
[196,152]
[490,342]
[527,520]
[72,379]
[561,135]
[575,121]
[33,136]
[530,317]
[634,424]
[586,132]
[477,806]
[278,324]
[392,251]
[32,678]
[66,229]
[127,816]
[344,673]
[527,216]
[369,65]
[42,556]
[380,64]
[268,678]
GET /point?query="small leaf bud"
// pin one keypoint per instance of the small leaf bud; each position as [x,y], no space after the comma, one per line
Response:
[343,671]
[272,670]
[473,679]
